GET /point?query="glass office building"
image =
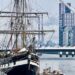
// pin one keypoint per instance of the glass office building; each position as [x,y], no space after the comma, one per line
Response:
[69,29]
[64,29]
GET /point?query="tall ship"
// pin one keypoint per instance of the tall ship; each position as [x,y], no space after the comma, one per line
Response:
[18,55]
[22,63]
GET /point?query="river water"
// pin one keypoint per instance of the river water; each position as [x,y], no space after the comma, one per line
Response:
[65,65]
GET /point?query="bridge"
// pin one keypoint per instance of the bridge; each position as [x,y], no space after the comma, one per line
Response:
[60,51]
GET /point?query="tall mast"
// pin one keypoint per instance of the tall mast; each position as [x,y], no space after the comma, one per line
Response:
[20,24]
[20,6]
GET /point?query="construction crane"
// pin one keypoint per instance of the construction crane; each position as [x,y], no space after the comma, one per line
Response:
[70,7]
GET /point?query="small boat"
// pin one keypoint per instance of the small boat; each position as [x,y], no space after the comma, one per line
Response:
[48,71]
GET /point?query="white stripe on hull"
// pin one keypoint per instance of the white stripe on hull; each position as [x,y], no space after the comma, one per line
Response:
[18,63]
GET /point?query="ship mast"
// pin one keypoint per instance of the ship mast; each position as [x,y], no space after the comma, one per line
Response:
[20,6]
[20,21]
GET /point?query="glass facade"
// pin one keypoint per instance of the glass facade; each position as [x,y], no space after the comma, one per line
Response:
[64,14]
[67,10]
[61,12]
[69,24]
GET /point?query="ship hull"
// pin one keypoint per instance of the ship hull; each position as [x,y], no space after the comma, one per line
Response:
[21,64]
[23,70]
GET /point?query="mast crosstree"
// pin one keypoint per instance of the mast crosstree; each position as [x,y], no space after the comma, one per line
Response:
[21,27]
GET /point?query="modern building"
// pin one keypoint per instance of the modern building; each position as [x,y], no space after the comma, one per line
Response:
[66,26]
[69,29]
[61,12]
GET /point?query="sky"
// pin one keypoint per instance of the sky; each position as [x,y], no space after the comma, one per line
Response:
[50,6]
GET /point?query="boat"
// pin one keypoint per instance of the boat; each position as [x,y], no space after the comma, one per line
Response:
[48,71]
[20,59]
[18,56]
[22,63]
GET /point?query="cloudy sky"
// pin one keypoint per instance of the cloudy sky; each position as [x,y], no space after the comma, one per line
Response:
[50,6]
[44,5]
